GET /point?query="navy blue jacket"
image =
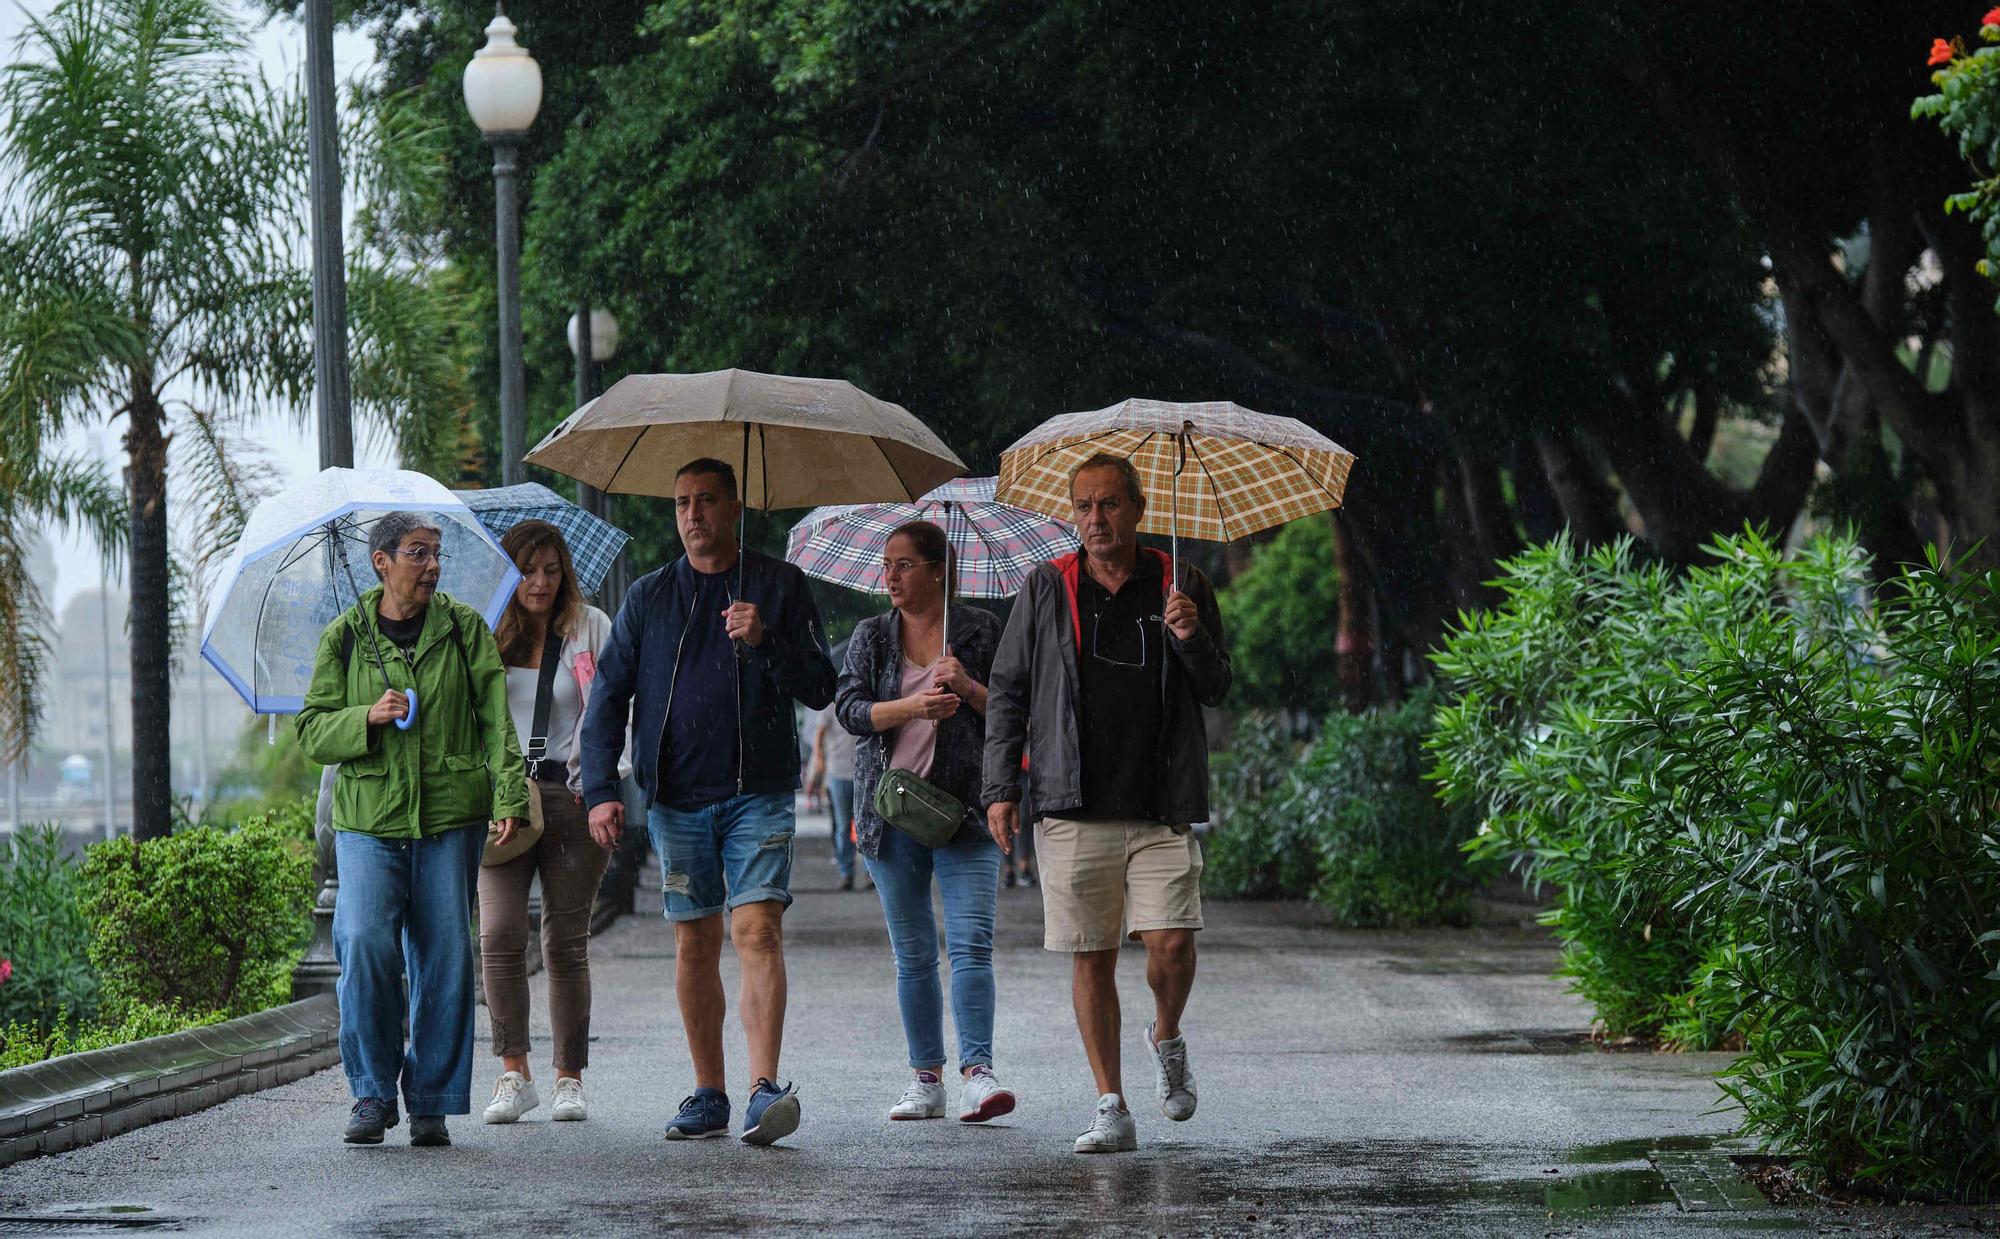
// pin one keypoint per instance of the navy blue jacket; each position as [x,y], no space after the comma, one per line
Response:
[640,662]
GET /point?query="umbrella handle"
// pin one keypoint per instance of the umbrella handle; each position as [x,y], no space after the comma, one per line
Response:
[409,718]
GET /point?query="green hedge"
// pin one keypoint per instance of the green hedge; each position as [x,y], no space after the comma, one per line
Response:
[205,919]
[1772,808]
[1349,821]
[43,938]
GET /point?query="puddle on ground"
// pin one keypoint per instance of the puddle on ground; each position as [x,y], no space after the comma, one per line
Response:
[1474,966]
[1523,1041]
[1301,1181]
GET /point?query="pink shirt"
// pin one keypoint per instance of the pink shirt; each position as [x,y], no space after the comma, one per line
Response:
[915,745]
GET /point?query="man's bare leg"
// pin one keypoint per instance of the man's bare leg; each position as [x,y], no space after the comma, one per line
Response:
[698,987]
[1094,991]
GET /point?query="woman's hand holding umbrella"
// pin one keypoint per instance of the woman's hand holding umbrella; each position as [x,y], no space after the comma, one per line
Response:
[391,707]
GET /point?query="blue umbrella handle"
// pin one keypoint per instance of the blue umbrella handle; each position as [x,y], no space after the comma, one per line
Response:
[410,714]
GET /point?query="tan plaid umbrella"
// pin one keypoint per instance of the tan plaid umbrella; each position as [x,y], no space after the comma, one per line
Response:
[1215,471]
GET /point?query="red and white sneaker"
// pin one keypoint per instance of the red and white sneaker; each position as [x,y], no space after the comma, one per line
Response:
[982,1098]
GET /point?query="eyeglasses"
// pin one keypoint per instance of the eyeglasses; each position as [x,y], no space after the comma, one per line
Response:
[1097,635]
[898,567]
[420,555]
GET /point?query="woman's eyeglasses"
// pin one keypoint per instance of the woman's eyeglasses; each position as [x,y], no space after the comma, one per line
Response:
[421,555]
[900,567]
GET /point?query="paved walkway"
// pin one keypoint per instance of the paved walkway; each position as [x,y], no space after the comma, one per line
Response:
[1386,1082]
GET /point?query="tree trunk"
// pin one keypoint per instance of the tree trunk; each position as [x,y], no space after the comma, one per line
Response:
[1589,505]
[1354,639]
[150,619]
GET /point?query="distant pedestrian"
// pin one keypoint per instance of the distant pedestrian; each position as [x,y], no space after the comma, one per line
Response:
[711,674]
[833,764]
[1102,674]
[918,709]
[551,641]
[411,807]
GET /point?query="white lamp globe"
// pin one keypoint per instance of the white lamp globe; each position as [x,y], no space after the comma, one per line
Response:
[503,84]
[603,335]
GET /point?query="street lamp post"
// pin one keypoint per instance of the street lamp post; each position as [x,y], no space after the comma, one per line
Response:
[503,91]
[318,971]
[593,340]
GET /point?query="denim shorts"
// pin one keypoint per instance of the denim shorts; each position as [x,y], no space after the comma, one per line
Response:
[726,854]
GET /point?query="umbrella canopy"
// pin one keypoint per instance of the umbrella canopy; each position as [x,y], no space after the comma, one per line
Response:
[795,442]
[996,544]
[303,559]
[594,542]
[1214,471]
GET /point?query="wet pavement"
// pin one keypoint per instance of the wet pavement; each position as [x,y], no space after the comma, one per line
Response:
[1393,1083]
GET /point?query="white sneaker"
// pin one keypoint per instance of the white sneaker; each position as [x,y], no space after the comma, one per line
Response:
[923,1099]
[1175,1077]
[1112,1131]
[513,1097]
[569,1102]
[981,1098]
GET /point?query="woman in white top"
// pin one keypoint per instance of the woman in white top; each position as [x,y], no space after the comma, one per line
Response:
[547,607]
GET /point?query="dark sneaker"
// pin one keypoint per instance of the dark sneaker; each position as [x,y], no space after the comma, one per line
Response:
[370,1117]
[704,1114]
[773,1113]
[427,1131]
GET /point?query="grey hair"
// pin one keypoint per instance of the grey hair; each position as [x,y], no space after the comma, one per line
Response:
[1126,470]
[387,534]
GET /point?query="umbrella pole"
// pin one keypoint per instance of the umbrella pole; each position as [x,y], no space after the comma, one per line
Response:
[743,513]
[1174,580]
[944,642]
[340,553]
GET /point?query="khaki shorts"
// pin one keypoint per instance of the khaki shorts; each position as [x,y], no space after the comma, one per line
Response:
[1103,880]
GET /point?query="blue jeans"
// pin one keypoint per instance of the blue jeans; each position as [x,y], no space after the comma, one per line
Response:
[968,875]
[840,806]
[402,933]
[726,854]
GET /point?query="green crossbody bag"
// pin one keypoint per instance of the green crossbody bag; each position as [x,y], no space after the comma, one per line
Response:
[919,809]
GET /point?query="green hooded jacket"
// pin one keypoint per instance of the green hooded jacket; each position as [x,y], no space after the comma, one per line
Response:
[461,762]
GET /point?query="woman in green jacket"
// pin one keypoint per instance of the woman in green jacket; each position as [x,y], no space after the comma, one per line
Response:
[410,813]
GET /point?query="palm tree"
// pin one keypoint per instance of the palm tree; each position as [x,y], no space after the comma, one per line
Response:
[163,188]
[47,353]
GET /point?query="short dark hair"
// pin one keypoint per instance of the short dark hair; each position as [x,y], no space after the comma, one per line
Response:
[388,532]
[1126,470]
[709,464]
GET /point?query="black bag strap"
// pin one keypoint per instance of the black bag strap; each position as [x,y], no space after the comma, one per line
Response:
[545,692]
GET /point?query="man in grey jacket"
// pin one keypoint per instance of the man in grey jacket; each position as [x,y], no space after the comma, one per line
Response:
[1102,673]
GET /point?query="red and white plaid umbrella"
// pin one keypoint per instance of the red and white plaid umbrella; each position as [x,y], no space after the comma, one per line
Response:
[996,545]
[1215,471]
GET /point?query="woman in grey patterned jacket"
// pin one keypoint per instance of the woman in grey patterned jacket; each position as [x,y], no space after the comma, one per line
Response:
[916,706]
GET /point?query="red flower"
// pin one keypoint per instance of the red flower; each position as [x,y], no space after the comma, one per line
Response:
[6,969]
[1992,17]
[1941,53]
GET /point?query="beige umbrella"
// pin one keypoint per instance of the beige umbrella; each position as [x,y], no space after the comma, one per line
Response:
[1214,471]
[798,443]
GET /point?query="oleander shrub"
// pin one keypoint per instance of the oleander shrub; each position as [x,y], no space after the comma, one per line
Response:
[1770,800]
[1349,821]
[45,973]
[1829,774]
[206,919]
[1524,739]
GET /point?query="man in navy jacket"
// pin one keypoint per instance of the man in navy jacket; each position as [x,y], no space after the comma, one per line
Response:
[710,654]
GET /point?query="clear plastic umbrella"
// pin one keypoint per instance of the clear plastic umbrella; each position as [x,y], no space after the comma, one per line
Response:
[303,559]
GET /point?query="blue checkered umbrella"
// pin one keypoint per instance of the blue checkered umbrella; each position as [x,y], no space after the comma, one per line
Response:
[996,544]
[594,542]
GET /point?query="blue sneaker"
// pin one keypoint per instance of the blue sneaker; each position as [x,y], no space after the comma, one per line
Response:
[704,1114]
[773,1113]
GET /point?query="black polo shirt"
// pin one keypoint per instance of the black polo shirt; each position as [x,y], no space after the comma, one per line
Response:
[1118,669]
